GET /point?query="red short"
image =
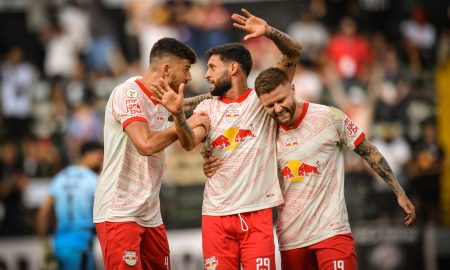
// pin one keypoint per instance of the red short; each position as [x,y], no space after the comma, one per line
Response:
[245,239]
[335,253]
[128,245]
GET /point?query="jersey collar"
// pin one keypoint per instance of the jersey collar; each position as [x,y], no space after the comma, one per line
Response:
[239,100]
[300,119]
[146,91]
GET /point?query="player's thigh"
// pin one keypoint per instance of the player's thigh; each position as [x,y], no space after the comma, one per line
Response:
[337,253]
[220,249]
[298,259]
[120,242]
[155,252]
[257,248]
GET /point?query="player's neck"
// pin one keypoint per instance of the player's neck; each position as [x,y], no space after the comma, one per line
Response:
[238,88]
[150,77]
[297,114]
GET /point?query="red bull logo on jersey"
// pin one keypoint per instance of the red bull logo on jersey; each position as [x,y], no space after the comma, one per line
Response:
[211,263]
[295,171]
[231,138]
[231,114]
[130,257]
[291,144]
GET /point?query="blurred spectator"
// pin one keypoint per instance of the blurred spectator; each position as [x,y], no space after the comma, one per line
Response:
[17,78]
[13,181]
[307,82]
[61,54]
[419,39]
[350,52]
[311,33]
[84,125]
[74,19]
[156,25]
[375,15]
[100,53]
[425,170]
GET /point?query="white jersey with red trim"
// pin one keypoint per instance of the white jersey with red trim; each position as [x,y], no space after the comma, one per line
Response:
[243,135]
[311,164]
[129,185]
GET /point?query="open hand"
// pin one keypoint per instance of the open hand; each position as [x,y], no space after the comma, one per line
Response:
[408,207]
[199,119]
[253,25]
[166,96]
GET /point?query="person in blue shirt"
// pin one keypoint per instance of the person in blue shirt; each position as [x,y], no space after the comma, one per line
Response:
[70,199]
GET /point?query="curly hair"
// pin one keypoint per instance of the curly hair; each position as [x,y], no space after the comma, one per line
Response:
[233,52]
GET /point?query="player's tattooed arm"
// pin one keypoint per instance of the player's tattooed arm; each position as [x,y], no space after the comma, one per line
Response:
[379,164]
[256,27]
[289,48]
[191,103]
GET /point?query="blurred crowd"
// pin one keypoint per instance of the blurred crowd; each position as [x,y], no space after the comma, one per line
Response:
[380,72]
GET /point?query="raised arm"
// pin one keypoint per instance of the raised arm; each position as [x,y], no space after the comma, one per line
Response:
[174,104]
[256,27]
[379,164]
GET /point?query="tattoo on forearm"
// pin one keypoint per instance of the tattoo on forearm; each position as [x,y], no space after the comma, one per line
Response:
[190,103]
[378,163]
[182,123]
[289,47]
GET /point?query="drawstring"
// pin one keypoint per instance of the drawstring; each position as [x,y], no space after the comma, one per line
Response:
[244,225]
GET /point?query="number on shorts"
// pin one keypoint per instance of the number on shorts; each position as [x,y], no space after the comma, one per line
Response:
[262,264]
[338,264]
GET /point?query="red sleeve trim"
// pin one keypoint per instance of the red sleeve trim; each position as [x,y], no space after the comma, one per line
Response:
[133,119]
[360,139]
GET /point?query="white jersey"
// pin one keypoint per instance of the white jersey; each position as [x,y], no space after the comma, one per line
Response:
[311,164]
[243,135]
[129,185]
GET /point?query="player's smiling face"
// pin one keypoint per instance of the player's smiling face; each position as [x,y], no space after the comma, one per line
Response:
[280,103]
[217,75]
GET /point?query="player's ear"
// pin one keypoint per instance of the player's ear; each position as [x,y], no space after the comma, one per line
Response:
[165,68]
[293,87]
[233,68]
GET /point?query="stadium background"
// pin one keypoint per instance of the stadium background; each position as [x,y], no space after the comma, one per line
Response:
[68,55]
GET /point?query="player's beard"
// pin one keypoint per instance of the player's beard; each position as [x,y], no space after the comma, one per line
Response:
[289,112]
[222,85]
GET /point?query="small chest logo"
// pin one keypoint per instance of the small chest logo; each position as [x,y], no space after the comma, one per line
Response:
[130,257]
[211,263]
[292,144]
[232,114]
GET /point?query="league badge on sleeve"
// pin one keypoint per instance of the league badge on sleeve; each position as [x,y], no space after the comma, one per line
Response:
[131,93]
[130,257]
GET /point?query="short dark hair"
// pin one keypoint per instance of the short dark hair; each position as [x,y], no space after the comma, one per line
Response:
[170,46]
[90,146]
[269,79]
[233,52]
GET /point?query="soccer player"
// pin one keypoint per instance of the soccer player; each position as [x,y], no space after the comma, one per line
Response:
[126,206]
[313,228]
[70,199]
[237,228]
